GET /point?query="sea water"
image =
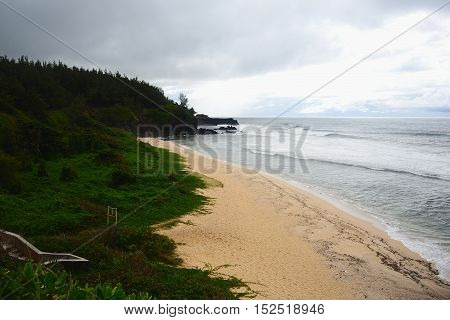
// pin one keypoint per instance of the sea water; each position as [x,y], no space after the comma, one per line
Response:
[396,171]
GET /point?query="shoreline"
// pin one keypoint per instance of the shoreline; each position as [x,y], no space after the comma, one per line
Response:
[338,203]
[365,215]
[288,243]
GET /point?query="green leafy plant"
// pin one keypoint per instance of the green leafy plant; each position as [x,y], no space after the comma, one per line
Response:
[33,281]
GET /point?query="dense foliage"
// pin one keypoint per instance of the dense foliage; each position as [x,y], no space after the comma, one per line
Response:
[33,282]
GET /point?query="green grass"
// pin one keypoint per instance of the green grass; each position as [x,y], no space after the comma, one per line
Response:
[49,206]
[61,214]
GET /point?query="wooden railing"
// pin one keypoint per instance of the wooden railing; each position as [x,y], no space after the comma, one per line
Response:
[32,253]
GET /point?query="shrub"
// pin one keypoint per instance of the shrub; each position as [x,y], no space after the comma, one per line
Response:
[97,213]
[41,171]
[68,174]
[26,164]
[155,247]
[9,178]
[120,177]
[110,157]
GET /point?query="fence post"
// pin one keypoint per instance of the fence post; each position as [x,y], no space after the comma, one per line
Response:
[112,212]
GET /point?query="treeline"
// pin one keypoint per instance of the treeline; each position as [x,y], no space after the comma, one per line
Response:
[48,109]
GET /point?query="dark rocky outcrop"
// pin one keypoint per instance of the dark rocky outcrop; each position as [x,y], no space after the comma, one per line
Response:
[227,128]
[206,131]
[204,120]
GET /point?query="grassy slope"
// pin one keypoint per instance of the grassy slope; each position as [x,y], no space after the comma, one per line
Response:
[49,206]
[61,216]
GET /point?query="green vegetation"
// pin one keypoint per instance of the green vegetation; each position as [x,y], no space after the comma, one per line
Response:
[74,194]
[67,151]
[33,282]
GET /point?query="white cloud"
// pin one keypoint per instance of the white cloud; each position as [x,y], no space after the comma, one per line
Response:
[411,73]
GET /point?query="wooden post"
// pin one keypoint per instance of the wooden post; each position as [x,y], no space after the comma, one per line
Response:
[112,212]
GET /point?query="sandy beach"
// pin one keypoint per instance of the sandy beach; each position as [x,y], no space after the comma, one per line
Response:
[287,243]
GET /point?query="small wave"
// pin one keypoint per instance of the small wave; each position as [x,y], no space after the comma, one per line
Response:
[431,134]
[332,134]
[264,153]
[339,135]
[421,134]
[398,171]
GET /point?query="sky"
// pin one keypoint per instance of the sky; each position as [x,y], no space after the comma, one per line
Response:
[253,58]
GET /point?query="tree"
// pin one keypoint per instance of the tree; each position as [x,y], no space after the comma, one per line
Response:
[184,102]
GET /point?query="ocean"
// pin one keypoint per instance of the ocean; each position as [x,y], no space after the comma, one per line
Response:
[394,172]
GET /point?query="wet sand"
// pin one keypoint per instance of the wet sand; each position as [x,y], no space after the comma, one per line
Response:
[287,243]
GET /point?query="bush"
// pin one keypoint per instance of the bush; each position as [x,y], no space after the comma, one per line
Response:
[26,164]
[154,246]
[68,174]
[120,177]
[41,171]
[110,157]
[9,178]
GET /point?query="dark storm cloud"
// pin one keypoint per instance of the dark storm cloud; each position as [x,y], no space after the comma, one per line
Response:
[194,39]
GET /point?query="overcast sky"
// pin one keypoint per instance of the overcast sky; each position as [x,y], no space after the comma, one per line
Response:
[253,58]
